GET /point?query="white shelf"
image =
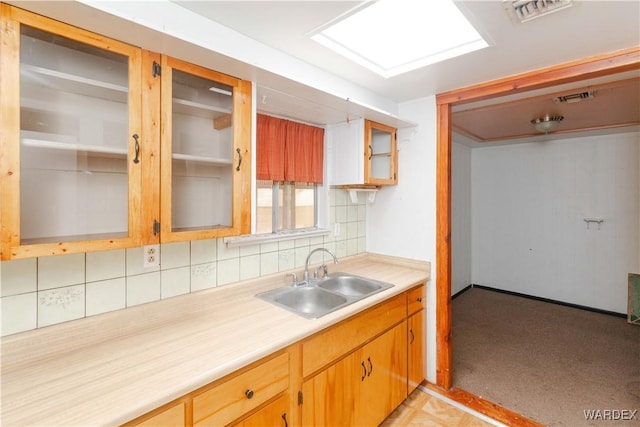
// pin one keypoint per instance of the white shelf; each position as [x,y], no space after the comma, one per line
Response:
[197,109]
[62,81]
[66,146]
[201,159]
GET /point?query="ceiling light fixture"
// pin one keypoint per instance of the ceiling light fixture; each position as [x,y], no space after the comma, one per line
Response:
[392,37]
[547,123]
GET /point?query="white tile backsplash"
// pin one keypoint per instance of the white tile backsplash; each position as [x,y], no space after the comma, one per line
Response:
[228,271]
[106,295]
[18,277]
[173,255]
[19,313]
[203,251]
[61,270]
[174,282]
[48,290]
[203,276]
[106,265]
[61,305]
[249,267]
[143,288]
[269,263]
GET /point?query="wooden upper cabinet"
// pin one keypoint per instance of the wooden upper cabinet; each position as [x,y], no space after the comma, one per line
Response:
[364,154]
[205,160]
[381,154]
[88,124]
[71,165]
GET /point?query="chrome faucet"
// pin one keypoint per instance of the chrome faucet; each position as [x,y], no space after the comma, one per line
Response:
[306,263]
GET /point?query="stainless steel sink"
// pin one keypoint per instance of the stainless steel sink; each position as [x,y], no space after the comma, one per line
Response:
[353,286]
[323,296]
[310,301]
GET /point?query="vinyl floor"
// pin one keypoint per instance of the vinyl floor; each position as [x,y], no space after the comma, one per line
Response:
[422,409]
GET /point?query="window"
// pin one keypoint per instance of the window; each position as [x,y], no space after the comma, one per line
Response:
[289,168]
[296,202]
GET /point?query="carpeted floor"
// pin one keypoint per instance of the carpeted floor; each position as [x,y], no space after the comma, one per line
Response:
[548,362]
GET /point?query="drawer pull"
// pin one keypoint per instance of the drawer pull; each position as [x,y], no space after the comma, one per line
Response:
[284,417]
[364,372]
[370,366]
[412,336]
[249,394]
[419,299]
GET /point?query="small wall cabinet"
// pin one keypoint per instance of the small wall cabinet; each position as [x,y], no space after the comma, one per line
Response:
[364,154]
[82,122]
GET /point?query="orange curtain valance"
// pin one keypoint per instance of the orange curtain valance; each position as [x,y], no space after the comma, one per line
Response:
[288,151]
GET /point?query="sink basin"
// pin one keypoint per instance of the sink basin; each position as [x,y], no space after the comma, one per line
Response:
[322,296]
[307,300]
[352,285]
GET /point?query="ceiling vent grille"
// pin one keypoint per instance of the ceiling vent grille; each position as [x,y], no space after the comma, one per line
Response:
[574,97]
[526,10]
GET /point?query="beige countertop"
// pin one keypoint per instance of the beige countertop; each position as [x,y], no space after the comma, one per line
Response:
[111,368]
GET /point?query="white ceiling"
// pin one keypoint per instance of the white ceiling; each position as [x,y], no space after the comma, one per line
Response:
[587,28]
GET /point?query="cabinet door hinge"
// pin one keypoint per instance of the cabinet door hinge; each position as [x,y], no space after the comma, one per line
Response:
[156,227]
[156,69]
[300,398]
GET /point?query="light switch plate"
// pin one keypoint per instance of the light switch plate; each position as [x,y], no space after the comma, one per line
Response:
[151,256]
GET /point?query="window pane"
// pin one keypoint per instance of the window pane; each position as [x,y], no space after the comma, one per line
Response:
[264,206]
[305,209]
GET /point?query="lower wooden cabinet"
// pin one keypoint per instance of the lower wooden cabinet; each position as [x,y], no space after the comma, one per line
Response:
[173,416]
[354,373]
[362,388]
[416,350]
[231,399]
[416,309]
[274,414]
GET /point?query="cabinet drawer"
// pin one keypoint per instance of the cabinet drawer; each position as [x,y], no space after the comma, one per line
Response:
[416,299]
[173,416]
[325,347]
[241,393]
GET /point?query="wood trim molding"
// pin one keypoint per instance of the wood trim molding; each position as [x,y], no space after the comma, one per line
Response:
[596,66]
[490,409]
[443,249]
[587,68]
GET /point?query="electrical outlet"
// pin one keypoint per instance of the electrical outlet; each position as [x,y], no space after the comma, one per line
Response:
[151,256]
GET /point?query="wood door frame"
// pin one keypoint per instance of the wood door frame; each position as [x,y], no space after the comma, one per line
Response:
[596,66]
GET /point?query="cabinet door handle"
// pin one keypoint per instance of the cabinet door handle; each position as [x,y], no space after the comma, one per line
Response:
[370,366]
[284,417]
[370,152]
[419,299]
[239,151]
[412,336]
[249,394]
[364,372]
[137,148]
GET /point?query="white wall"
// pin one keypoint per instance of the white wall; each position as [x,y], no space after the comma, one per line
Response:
[460,217]
[402,220]
[529,202]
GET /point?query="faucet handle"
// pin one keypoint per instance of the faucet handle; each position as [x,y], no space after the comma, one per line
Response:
[294,277]
[324,269]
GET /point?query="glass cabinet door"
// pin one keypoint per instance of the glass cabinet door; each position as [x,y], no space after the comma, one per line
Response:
[205,159]
[74,140]
[381,152]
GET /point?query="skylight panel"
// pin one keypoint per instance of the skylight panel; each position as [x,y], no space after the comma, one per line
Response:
[392,37]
